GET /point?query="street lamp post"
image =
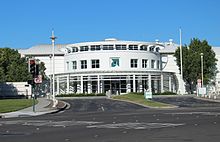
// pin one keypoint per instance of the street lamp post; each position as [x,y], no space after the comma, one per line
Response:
[51,90]
[201,54]
[53,70]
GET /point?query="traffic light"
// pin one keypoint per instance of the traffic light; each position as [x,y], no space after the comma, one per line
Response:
[32,67]
[36,70]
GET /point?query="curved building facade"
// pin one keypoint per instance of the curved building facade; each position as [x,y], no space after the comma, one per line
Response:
[114,66]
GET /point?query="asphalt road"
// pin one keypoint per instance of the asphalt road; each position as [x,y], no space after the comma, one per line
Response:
[103,120]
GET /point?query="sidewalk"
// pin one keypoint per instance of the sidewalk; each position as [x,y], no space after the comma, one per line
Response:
[44,106]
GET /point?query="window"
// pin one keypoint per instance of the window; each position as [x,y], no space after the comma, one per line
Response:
[121,47]
[114,62]
[144,63]
[84,48]
[67,65]
[143,47]
[83,64]
[133,47]
[158,64]
[108,47]
[152,64]
[95,47]
[134,63]
[74,49]
[95,63]
[74,65]
[152,48]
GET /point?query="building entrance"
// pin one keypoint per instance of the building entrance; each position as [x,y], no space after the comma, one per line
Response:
[115,87]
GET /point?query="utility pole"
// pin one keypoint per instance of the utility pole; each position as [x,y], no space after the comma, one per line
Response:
[53,70]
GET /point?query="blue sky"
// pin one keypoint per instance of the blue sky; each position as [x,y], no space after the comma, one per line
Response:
[25,23]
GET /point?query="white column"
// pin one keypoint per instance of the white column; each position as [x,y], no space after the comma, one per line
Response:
[98,83]
[140,88]
[101,85]
[149,82]
[81,84]
[58,86]
[161,83]
[68,84]
[78,85]
[128,84]
[170,83]
[89,85]
[134,84]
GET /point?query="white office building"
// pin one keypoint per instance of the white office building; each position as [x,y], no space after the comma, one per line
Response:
[112,65]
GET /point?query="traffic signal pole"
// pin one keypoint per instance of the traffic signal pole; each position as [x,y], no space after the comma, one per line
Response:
[34,70]
[33,95]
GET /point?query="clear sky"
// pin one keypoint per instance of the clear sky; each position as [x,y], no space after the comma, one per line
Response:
[24,23]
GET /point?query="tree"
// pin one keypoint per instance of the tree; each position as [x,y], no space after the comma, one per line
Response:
[13,68]
[192,63]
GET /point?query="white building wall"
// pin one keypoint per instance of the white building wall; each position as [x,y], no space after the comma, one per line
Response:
[171,66]
[59,63]
[105,60]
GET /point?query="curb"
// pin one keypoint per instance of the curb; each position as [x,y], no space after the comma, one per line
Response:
[63,106]
[168,107]
[207,99]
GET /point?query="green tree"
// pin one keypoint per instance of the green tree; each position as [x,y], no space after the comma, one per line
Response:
[12,67]
[192,63]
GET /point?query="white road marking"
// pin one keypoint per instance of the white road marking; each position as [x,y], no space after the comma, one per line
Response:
[190,113]
[50,123]
[137,126]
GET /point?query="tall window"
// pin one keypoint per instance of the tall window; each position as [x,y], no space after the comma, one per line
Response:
[158,64]
[133,47]
[74,65]
[152,64]
[134,63]
[83,64]
[67,65]
[144,63]
[95,63]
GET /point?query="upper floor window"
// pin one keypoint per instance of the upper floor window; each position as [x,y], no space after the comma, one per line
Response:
[108,47]
[67,65]
[143,47]
[151,48]
[74,49]
[134,63]
[95,64]
[133,47]
[121,47]
[74,65]
[144,63]
[95,47]
[83,64]
[84,48]
[152,64]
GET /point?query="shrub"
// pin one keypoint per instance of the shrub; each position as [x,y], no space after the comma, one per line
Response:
[165,93]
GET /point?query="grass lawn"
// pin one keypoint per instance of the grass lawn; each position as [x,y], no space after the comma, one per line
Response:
[10,105]
[141,100]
